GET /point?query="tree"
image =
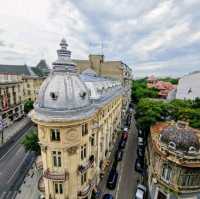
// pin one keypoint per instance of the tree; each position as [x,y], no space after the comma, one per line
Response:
[28,105]
[30,142]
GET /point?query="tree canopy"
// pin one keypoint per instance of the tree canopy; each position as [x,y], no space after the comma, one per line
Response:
[140,90]
[28,105]
[149,111]
[30,142]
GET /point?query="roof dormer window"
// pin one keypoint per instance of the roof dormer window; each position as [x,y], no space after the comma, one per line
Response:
[172,145]
[192,150]
[54,95]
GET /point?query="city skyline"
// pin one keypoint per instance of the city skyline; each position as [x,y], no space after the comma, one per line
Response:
[154,37]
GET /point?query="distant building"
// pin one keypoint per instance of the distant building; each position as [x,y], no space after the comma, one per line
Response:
[165,88]
[173,159]
[18,83]
[111,69]
[189,86]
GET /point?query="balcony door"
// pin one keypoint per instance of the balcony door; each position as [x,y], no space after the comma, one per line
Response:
[161,195]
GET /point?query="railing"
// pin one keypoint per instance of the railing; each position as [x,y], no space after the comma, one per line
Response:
[57,176]
[89,164]
[87,189]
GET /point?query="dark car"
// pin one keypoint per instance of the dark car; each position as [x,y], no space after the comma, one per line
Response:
[112,179]
[122,144]
[114,164]
[119,155]
[107,196]
[140,151]
[139,165]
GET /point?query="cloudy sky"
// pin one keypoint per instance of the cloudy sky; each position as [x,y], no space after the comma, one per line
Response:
[160,37]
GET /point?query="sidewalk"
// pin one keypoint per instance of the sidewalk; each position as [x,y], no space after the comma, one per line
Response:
[29,189]
[14,128]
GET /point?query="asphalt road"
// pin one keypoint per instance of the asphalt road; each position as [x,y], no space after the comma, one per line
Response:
[14,163]
[128,178]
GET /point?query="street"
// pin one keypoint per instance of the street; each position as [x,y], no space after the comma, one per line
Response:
[14,163]
[128,178]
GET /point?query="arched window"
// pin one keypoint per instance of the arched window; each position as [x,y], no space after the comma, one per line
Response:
[166,173]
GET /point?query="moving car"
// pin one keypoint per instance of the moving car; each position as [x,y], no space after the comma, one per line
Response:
[107,196]
[140,192]
[112,179]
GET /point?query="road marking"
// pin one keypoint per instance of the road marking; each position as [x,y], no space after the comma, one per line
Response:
[17,142]
[125,154]
[17,168]
[3,194]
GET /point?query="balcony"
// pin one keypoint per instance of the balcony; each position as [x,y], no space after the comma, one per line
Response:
[56,176]
[41,186]
[89,164]
[86,190]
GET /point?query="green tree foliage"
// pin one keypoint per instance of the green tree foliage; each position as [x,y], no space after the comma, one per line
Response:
[140,90]
[30,142]
[149,111]
[28,105]
[169,79]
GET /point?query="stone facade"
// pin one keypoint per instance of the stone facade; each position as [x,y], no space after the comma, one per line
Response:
[77,127]
[14,90]
[174,161]
[111,69]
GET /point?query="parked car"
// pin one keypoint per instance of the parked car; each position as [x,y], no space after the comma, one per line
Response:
[140,151]
[114,164]
[122,144]
[139,165]
[119,155]
[141,192]
[107,196]
[125,129]
[112,179]
[124,136]
[141,141]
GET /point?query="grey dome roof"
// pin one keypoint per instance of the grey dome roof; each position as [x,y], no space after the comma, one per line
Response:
[63,91]
[183,138]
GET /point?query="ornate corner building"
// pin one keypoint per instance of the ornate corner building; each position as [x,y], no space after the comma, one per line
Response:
[174,161]
[78,118]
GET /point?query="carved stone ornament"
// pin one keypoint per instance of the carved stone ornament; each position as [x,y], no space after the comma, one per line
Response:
[43,147]
[72,150]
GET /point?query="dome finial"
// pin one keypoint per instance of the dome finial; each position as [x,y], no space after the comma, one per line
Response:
[64,62]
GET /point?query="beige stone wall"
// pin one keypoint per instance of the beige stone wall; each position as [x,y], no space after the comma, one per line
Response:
[102,126]
[16,92]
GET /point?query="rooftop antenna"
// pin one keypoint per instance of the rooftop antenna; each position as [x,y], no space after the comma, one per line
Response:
[101,45]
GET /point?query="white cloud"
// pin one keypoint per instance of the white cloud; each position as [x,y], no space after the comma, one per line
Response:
[152,33]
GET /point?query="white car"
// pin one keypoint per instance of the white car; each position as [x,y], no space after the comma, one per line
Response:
[140,192]
[125,129]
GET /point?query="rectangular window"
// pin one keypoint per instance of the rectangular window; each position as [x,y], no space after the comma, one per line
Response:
[84,129]
[58,187]
[92,140]
[83,178]
[83,152]
[55,135]
[166,173]
[56,158]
